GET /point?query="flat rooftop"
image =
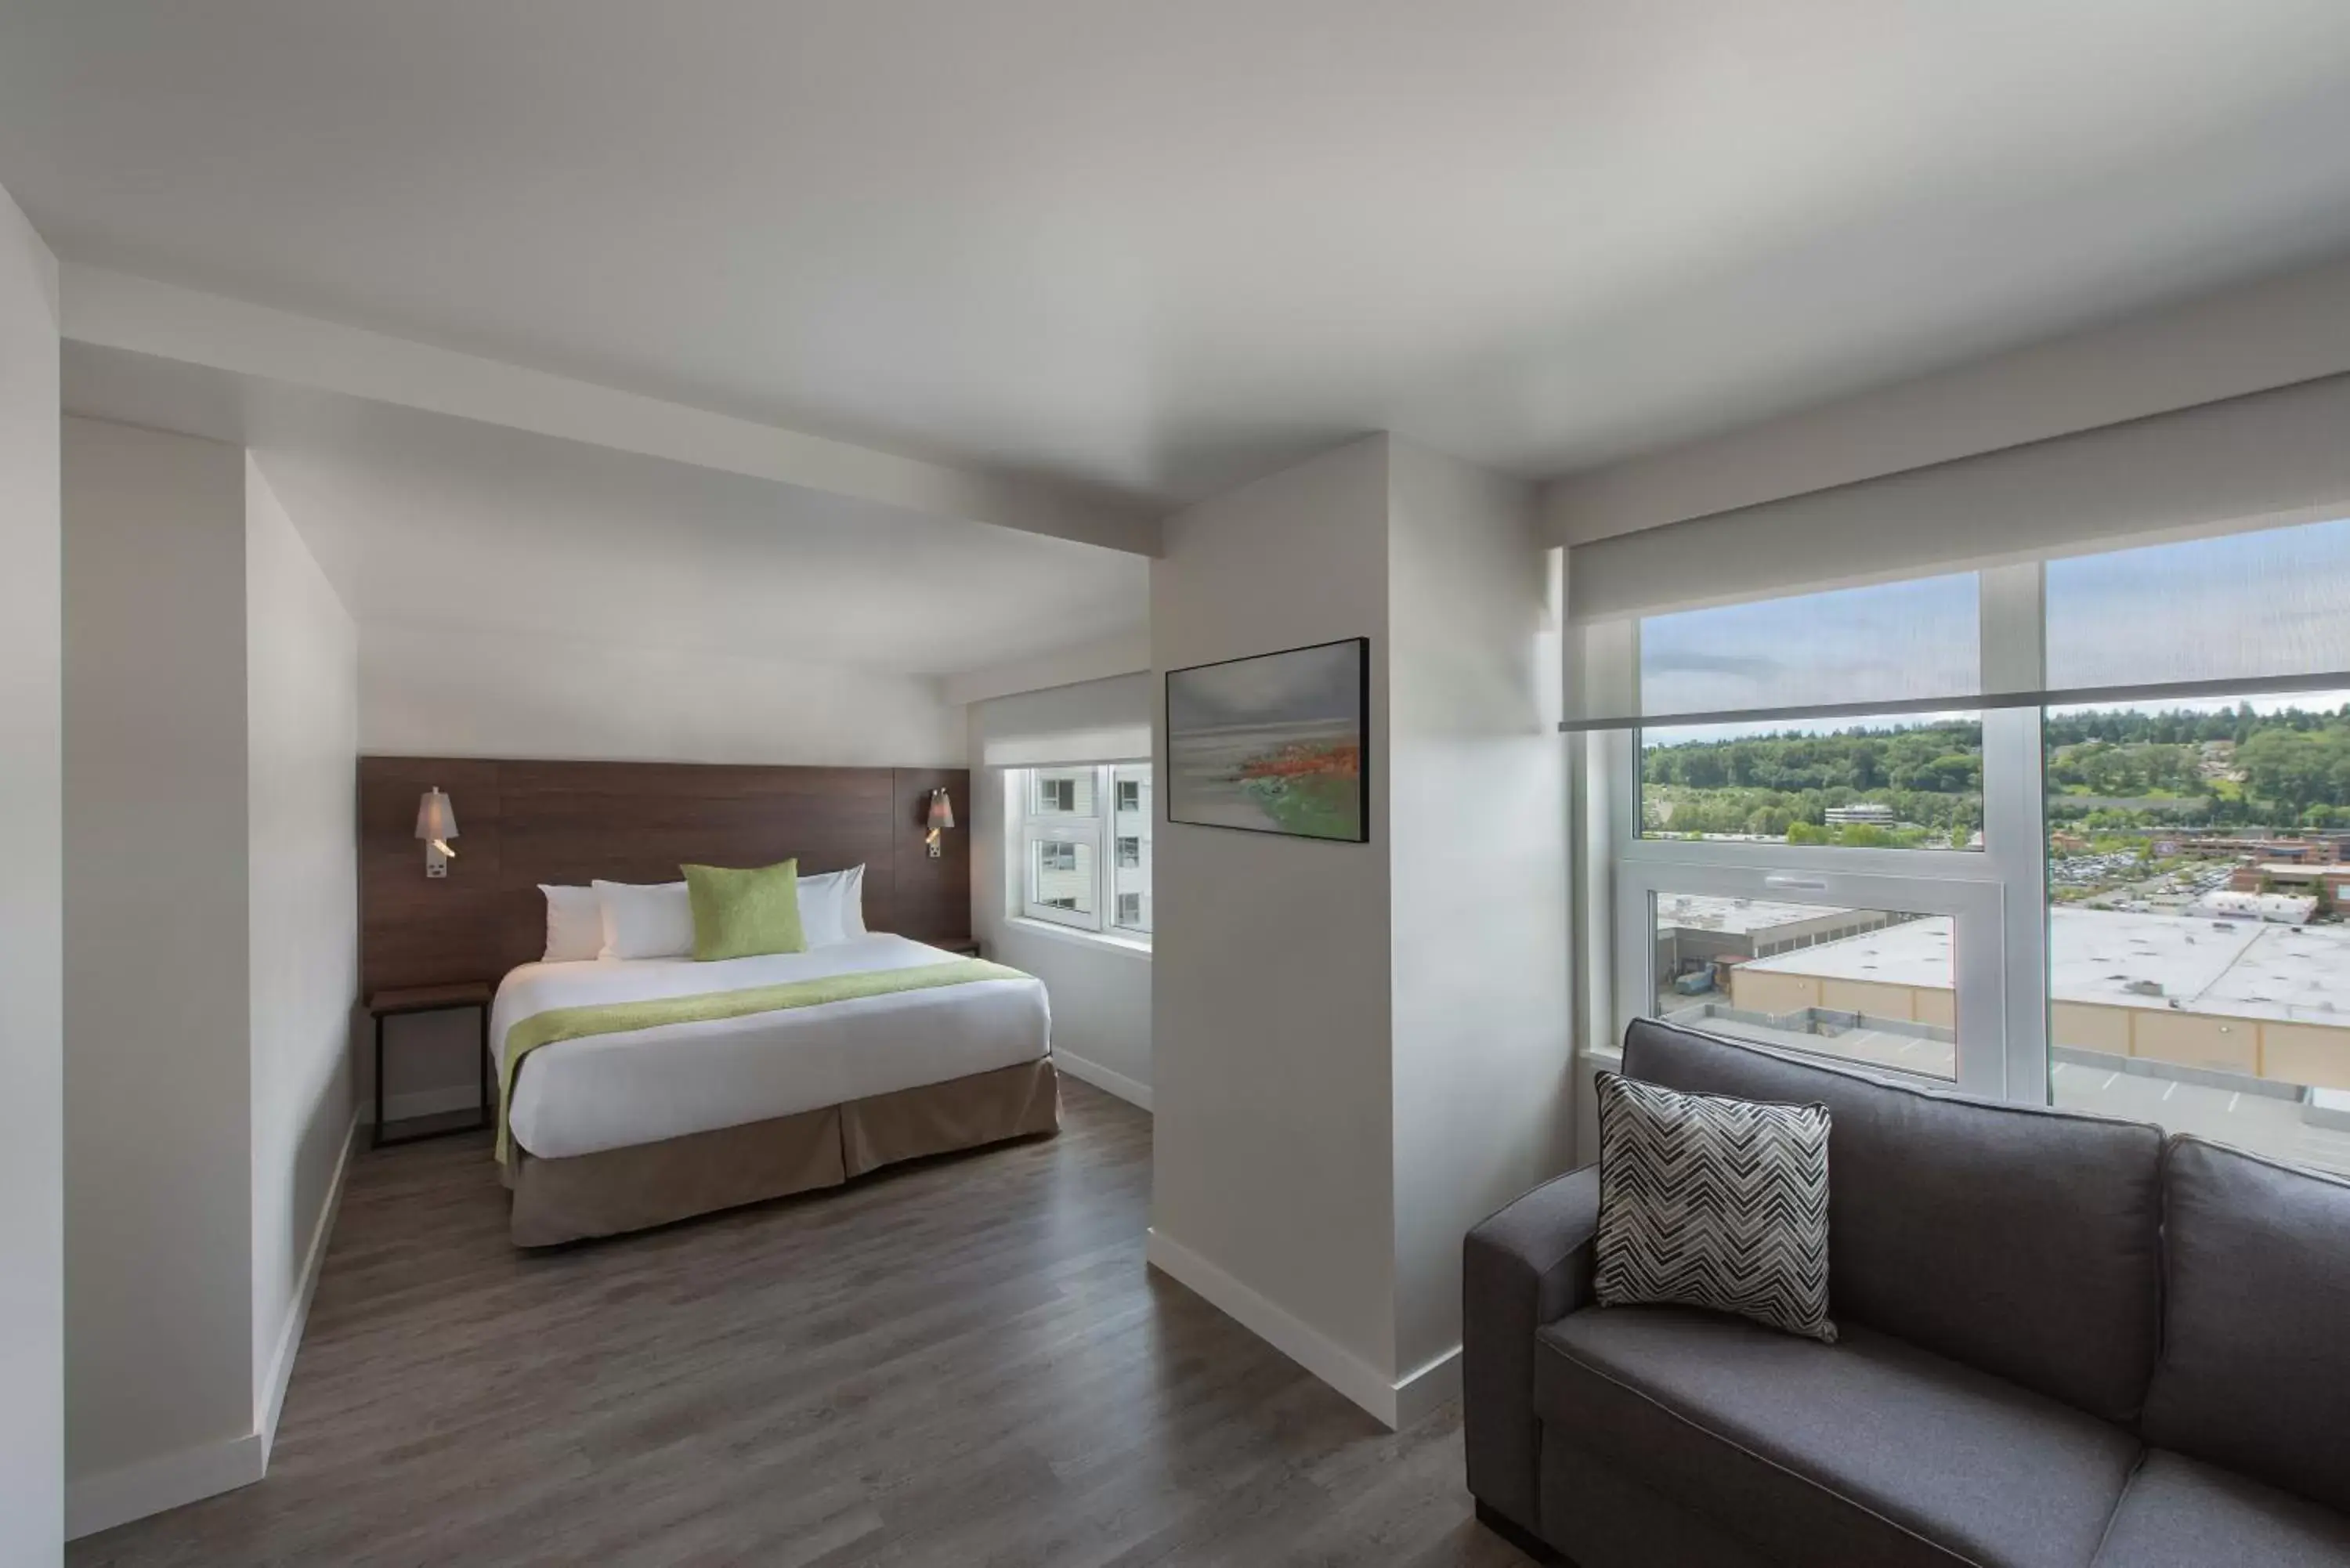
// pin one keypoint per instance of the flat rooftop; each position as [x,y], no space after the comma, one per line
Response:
[1914,952]
[2302,974]
[1739,917]
[2241,968]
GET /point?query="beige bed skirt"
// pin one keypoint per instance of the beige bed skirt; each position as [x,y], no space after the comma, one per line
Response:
[619,1189]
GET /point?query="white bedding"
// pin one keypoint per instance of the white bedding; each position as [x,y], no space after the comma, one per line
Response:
[609,1091]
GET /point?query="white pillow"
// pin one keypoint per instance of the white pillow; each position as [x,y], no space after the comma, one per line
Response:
[574,923]
[645,920]
[832,907]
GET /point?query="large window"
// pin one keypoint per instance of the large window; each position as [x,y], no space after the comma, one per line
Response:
[2142,902]
[1074,862]
[2199,962]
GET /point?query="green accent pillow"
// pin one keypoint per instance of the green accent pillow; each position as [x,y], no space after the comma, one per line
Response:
[739,913]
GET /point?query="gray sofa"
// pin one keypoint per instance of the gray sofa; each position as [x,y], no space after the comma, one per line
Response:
[2063,1341]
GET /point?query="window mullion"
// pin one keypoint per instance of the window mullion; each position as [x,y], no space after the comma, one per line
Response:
[2015,830]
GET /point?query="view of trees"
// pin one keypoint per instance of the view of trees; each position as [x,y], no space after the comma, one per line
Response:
[2108,771]
[1782,785]
[2231,768]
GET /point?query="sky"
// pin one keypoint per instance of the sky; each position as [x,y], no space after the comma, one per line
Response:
[2271,603]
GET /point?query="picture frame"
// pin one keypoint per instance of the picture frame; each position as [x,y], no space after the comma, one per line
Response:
[1274,743]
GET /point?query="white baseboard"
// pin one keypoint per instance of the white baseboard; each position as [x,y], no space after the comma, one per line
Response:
[1395,1403]
[427,1103]
[1133,1091]
[1419,1393]
[281,1367]
[117,1496]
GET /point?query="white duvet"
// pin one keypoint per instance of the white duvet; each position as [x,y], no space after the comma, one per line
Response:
[609,1091]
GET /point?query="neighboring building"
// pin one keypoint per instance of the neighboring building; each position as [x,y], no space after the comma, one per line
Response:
[2234,904]
[1131,835]
[1065,873]
[2318,848]
[1861,813]
[2323,883]
[1699,935]
[2254,1000]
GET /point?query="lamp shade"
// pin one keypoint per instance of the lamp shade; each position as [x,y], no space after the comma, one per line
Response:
[436,819]
[941,810]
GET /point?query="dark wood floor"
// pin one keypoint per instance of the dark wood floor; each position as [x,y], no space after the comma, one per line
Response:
[964,1363]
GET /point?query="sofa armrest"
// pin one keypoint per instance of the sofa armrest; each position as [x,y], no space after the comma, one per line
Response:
[1526,1266]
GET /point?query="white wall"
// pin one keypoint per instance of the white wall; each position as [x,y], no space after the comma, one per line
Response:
[158,1060]
[609,696]
[1271,1005]
[32,1105]
[1360,1050]
[1100,990]
[1477,790]
[211,701]
[301,746]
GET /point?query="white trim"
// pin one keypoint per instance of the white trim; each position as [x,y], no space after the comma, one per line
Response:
[1133,1091]
[1067,748]
[1394,1403]
[1419,1393]
[110,1498]
[289,1343]
[427,1103]
[1028,925]
[1966,886]
[116,1497]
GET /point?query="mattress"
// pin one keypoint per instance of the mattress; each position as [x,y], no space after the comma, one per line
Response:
[611,1091]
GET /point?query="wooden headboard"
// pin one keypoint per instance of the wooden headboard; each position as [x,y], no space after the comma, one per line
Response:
[523,822]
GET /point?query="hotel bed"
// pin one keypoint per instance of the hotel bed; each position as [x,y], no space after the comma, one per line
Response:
[617,1131]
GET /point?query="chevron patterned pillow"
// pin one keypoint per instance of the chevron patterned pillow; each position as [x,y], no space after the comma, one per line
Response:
[1713,1202]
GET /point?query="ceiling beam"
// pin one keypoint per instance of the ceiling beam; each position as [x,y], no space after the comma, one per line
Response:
[1129,653]
[115,310]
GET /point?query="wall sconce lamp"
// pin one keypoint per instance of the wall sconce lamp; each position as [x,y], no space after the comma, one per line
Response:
[941,819]
[436,823]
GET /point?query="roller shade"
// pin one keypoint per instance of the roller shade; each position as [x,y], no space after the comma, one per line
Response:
[2234,612]
[1093,721]
[2268,459]
[1114,743]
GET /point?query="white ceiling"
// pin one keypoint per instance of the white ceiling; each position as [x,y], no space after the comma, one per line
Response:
[425,520]
[1166,247]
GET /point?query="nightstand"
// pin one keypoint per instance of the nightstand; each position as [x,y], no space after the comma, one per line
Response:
[395,1002]
[967,946]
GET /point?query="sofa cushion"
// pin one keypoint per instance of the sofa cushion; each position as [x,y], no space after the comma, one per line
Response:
[2178,1513]
[1602,1516]
[2023,1242]
[1713,1202]
[1869,1453]
[2255,1366]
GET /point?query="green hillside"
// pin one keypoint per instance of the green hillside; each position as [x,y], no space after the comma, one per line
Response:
[2108,770]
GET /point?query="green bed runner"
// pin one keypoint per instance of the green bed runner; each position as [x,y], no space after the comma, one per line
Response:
[621,1017]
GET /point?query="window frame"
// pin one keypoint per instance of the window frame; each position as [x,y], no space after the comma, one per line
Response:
[1998,896]
[1028,830]
[1974,904]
